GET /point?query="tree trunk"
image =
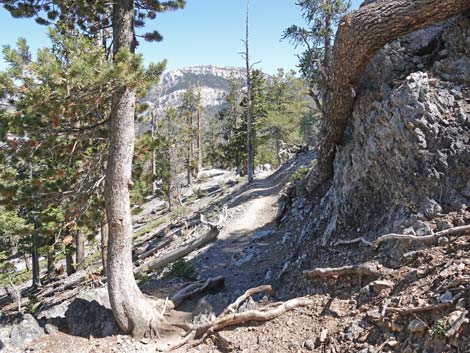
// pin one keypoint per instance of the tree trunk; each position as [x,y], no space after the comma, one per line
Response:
[35,261]
[249,122]
[104,247]
[69,265]
[360,35]
[133,312]
[199,140]
[80,249]
[51,265]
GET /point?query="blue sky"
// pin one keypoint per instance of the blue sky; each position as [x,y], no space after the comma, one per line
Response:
[205,32]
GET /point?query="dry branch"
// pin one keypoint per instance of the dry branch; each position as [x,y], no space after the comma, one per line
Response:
[366,269]
[248,316]
[252,291]
[431,238]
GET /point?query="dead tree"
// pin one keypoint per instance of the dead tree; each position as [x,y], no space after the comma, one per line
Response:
[360,35]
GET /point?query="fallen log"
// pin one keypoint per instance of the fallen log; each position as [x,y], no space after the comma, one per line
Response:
[179,253]
[367,269]
[194,289]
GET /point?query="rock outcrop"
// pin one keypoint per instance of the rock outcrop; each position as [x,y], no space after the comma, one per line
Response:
[405,157]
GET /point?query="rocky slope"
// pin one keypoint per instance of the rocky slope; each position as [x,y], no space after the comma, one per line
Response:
[213,82]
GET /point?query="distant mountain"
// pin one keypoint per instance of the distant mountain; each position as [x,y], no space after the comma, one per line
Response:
[213,81]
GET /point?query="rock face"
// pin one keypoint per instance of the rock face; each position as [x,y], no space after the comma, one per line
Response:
[213,81]
[22,330]
[89,314]
[407,148]
[405,157]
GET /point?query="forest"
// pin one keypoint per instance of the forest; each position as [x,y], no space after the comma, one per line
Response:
[318,208]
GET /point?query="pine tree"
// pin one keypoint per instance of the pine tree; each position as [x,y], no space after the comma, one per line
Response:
[321,17]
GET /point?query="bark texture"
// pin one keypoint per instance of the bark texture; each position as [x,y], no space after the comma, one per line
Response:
[133,312]
[80,249]
[360,35]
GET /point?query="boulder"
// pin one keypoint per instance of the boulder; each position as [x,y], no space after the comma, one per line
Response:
[89,314]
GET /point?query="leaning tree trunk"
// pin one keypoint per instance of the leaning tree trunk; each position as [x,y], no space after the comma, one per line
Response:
[35,261]
[360,35]
[133,312]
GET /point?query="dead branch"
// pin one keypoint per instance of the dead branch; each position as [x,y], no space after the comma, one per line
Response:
[367,269]
[250,292]
[248,316]
[457,324]
[353,241]
[420,309]
[195,288]
[427,239]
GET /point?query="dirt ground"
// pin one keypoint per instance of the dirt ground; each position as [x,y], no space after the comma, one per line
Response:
[346,313]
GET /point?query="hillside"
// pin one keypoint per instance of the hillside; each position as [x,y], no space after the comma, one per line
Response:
[213,81]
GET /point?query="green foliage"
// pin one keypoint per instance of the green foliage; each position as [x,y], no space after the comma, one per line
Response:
[179,211]
[183,269]
[149,227]
[300,174]
[321,18]
[440,327]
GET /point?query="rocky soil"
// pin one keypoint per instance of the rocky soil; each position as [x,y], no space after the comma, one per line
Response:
[404,167]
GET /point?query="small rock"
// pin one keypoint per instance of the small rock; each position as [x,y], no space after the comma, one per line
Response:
[309,345]
[144,340]
[416,326]
[323,335]
[380,285]
[392,343]
[446,297]
[421,228]
[460,222]
[50,329]
[442,241]
[444,224]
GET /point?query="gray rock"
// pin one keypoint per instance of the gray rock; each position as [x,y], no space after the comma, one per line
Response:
[262,235]
[25,331]
[89,314]
[444,224]
[442,241]
[446,297]
[416,326]
[50,329]
[309,345]
[422,228]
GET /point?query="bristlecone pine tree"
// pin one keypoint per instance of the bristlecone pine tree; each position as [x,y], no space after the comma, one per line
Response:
[360,35]
[132,311]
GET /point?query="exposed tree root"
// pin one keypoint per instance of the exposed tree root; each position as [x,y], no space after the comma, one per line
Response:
[367,269]
[353,241]
[248,316]
[427,239]
[193,289]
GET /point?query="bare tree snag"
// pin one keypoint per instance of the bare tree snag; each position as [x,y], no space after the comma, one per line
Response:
[360,35]
[367,269]
[427,239]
